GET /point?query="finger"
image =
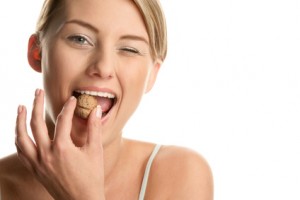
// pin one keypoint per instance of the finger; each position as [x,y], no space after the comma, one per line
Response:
[37,123]
[24,160]
[94,137]
[64,122]
[23,142]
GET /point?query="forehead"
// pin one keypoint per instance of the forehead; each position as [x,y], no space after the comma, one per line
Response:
[110,15]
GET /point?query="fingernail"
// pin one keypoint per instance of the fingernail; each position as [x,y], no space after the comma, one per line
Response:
[72,98]
[99,111]
[20,109]
[37,92]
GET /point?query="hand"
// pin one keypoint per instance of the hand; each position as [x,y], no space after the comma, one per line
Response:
[66,171]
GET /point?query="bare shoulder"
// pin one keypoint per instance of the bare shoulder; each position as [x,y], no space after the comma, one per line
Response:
[182,173]
[14,179]
[12,175]
[7,165]
[11,170]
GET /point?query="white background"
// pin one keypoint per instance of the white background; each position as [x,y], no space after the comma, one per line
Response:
[230,89]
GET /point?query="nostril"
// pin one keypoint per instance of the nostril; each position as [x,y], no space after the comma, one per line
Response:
[101,74]
[103,66]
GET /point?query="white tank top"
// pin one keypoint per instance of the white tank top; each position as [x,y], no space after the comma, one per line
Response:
[147,172]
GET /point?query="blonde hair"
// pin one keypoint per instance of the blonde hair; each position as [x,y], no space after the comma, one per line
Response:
[156,26]
[151,11]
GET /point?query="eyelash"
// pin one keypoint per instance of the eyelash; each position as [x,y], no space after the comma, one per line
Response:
[79,40]
[131,50]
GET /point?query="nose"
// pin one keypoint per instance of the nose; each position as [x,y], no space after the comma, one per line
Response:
[102,65]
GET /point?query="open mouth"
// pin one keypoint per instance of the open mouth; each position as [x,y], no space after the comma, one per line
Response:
[105,99]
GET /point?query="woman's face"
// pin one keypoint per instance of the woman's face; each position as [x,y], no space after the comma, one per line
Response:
[102,47]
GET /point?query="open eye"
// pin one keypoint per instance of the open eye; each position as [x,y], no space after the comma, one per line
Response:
[80,40]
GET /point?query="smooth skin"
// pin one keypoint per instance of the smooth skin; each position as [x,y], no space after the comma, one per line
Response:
[70,158]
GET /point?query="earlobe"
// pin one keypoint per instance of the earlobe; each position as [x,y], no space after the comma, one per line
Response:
[153,75]
[34,53]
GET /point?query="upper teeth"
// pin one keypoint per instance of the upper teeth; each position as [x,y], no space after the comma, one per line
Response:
[99,94]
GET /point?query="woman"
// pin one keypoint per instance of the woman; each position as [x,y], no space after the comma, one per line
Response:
[111,50]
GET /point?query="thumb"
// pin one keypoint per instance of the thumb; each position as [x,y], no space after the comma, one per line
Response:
[94,137]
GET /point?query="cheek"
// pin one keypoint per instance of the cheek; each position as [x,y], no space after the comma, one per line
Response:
[60,70]
[132,80]
[134,76]
[62,66]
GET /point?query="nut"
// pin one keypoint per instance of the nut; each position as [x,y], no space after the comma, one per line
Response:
[85,104]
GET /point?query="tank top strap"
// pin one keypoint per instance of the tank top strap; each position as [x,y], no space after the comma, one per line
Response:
[147,172]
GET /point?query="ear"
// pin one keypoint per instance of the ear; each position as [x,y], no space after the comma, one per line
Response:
[34,53]
[153,75]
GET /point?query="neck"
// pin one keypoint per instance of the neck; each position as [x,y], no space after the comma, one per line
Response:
[112,154]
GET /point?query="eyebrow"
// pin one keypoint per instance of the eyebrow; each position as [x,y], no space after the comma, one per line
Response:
[134,37]
[82,23]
